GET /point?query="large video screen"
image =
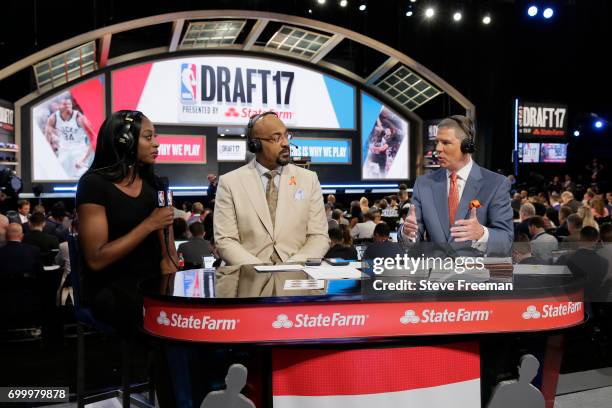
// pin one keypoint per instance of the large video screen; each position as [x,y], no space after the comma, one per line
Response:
[65,130]
[529,152]
[228,90]
[553,152]
[385,142]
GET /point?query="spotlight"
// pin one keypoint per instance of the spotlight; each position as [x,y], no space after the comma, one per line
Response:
[548,13]
[413,1]
[429,13]
[343,3]
[576,133]
[532,11]
[321,1]
[362,7]
[309,11]
[486,20]
[598,124]
[457,16]
[409,13]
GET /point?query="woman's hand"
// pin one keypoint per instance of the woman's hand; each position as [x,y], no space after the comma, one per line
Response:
[160,218]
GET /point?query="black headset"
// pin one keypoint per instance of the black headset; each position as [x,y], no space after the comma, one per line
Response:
[254,145]
[124,139]
[468,145]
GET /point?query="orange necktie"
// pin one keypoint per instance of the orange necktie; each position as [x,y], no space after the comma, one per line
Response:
[453,198]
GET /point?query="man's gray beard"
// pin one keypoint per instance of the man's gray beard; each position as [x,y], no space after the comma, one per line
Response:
[282,162]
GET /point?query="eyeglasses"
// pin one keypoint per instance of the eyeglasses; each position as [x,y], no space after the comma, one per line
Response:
[277,138]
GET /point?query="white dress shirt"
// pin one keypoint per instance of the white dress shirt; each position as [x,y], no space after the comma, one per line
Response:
[264,179]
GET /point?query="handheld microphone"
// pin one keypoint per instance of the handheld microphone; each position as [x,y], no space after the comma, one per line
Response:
[164,199]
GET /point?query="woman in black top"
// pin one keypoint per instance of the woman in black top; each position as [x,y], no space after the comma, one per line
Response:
[121,228]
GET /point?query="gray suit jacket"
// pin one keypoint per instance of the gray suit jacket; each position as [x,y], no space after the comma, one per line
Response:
[430,199]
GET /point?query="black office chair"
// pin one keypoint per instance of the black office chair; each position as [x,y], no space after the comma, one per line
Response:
[85,320]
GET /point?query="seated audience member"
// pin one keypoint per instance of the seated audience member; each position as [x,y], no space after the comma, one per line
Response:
[355,214]
[55,223]
[377,216]
[365,230]
[527,211]
[47,243]
[562,230]
[338,249]
[542,243]
[522,254]
[208,228]
[4,222]
[609,201]
[587,217]
[588,264]
[567,198]
[198,210]
[338,216]
[516,202]
[364,204]
[574,225]
[551,219]
[599,210]
[331,200]
[180,229]
[23,208]
[555,201]
[197,247]
[381,233]
[18,259]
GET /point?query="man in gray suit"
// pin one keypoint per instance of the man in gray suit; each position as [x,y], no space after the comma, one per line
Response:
[442,210]
[197,247]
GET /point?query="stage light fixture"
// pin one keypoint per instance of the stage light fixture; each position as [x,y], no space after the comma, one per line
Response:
[409,13]
[457,16]
[548,13]
[430,12]
[486,20]
[362,7]
[532,11]
[598,124]
[321,1]
[343,3]
[576,133]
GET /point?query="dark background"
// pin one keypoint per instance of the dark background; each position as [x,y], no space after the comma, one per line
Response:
[563,60]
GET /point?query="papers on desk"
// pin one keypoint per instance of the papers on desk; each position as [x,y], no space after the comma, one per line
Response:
[334,272]
[304,284]
[279,268]
[520,269]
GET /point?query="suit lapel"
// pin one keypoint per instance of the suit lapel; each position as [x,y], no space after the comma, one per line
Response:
[470,191]
[286,192]
[440,197]
[251,182]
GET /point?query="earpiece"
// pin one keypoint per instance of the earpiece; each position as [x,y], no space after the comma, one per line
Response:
[468,145]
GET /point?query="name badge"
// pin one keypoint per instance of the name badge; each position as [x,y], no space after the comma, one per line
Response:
[299,195]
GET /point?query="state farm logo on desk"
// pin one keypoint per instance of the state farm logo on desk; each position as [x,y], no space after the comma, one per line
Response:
[197,323]
[445,316]
[306,320]
[552,310]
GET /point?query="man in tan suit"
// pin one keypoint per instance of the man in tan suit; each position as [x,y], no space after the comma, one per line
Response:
[269,210]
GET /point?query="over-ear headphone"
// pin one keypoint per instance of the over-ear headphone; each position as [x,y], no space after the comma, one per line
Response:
[124,139]
[254,145]
[468,145]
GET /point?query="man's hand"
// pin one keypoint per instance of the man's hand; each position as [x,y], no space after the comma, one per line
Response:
[467,230]
[411,227]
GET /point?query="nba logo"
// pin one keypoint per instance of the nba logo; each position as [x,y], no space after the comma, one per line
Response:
[161,201]
[188,82]
[169,198]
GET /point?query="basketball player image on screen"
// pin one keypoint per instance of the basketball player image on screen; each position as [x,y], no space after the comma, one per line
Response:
[384,143]
[71,137]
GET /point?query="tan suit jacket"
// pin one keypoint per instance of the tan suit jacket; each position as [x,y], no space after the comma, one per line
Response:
[244,233]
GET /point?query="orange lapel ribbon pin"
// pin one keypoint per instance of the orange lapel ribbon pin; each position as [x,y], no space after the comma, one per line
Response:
[474,204]
[292,181]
